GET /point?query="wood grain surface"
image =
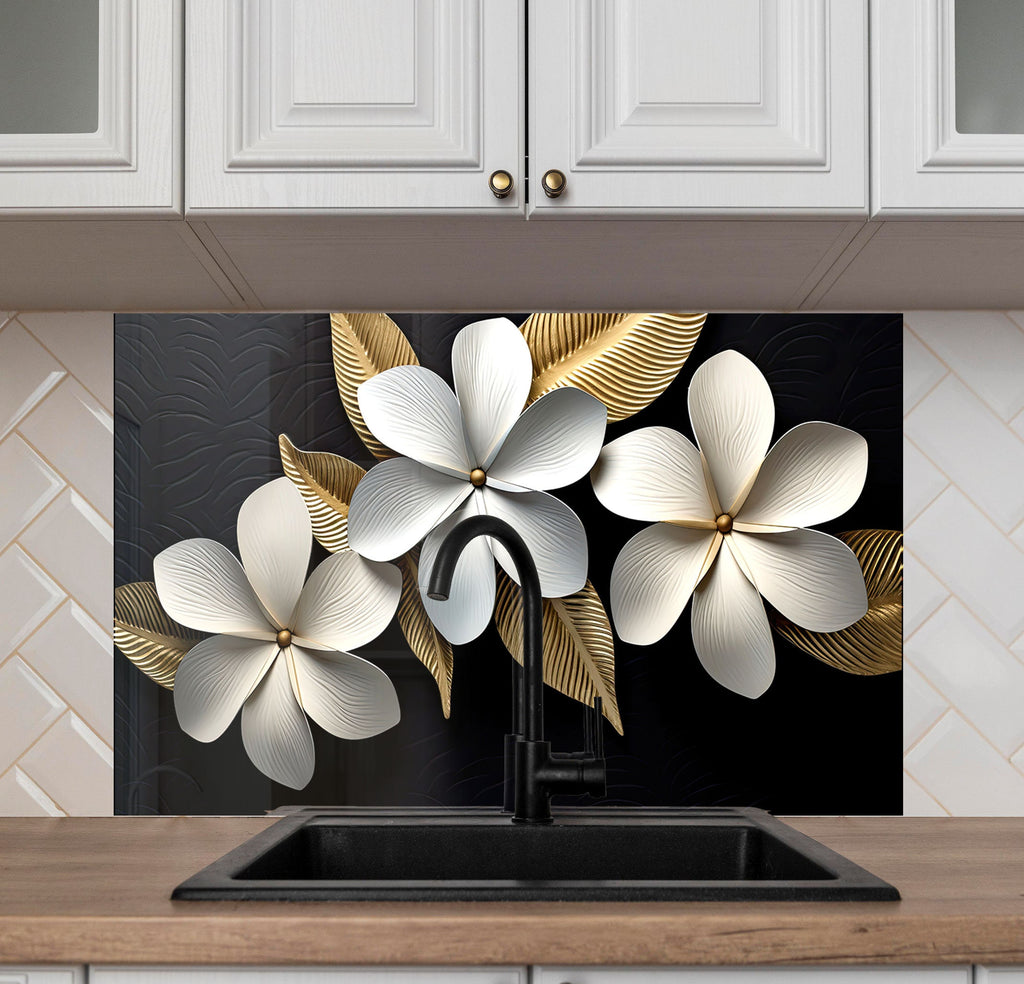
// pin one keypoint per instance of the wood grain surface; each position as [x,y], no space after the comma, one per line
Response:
[97,891]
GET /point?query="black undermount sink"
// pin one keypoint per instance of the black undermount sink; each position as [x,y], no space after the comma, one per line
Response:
[593,854]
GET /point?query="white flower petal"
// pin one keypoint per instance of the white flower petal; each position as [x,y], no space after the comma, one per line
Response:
[214,679]
[554,443]
[344,694]
[492,369]
[274,540]
[810,577]
[470,604]
[553,534]
[201,584]
[730,629]
[414,412]
[275,731]
[732,415]
[653,473]
[814,473]
[653,578]
[347,602]
[397,503]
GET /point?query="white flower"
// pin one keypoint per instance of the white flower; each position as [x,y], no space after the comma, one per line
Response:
[730,525]
[470,452]
[280,644]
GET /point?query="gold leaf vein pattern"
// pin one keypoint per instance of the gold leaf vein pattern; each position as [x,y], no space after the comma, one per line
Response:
[430,647]
[579,650]
[326,482]
[364,345]
[147,635]
[625,360]
[874,644]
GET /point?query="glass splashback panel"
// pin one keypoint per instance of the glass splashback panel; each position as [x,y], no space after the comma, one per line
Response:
[49,66]
[990,66]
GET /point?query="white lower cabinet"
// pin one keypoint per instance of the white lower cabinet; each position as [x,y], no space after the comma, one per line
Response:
[304,975]
[42,975]
[756,975]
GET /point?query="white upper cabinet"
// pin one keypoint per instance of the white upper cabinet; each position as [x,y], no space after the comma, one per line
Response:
[731,107]
[314,106]
[948,107]
[90,108]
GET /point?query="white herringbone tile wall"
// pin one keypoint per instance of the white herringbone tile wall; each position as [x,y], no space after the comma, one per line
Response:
[963,512]
[56,564]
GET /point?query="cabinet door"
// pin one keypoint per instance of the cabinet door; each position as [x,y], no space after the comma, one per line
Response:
[306,975]
[42,975]
[948,117]
[90,108]
[737,107]
[317,106]
[753,975]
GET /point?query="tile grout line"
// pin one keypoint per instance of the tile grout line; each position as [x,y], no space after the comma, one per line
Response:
[68,705]
[963,717]
[61,363]
[961,378]
[68,594]
[927,792]
[68,484]
[1002,533]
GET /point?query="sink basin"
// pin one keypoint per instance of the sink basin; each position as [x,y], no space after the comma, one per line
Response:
[598,854]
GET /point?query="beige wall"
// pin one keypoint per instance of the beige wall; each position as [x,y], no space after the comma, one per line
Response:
[56,564]
[963,509]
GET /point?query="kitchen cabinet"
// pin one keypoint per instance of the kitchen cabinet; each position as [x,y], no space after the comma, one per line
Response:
[42,975]
[305,975]
[740,107]
[947,113]
[319,106]
[90,118]
[753,975]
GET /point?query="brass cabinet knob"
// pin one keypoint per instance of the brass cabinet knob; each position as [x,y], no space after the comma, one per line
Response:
[501,184]
[553,182]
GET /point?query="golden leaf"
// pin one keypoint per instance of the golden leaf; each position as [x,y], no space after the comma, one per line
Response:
[579,651]
[874,644]
[147,635]
[625,360]
[364,345]
[326,482]
[431,648]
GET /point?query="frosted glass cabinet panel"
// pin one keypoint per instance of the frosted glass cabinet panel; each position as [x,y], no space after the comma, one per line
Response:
[989,46]
[948,107]
[49,66]
[90,98]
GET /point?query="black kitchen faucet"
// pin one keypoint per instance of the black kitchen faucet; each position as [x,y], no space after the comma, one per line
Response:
[539,773]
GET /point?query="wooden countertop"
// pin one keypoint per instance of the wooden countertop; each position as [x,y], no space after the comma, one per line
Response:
[97,891]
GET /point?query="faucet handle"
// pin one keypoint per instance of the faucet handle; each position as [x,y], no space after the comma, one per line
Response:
[597,728]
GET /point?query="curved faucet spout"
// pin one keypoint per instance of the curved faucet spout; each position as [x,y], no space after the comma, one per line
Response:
[440,585]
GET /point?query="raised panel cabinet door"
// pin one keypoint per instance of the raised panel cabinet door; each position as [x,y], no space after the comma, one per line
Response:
[947,111]
[321,106]
[90,108]
[737,107]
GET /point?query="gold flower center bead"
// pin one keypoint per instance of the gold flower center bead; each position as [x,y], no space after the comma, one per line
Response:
[724,523]
[284,638]
[478,476]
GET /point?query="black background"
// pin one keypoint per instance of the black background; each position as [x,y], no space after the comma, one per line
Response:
[200,401]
